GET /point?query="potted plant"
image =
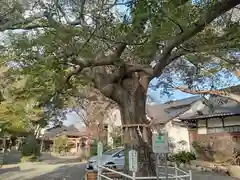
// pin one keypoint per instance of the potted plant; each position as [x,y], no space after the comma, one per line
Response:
[91,175]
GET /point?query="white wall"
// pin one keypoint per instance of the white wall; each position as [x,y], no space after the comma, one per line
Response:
[232,121]
[113,119]
[177,134]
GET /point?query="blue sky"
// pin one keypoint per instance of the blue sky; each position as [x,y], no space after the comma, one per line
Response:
[223,82]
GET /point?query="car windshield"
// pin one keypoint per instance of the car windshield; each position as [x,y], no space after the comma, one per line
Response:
[112,151]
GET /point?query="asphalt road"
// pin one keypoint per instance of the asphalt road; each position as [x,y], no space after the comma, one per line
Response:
[52,168]
[210,176]
[73,171]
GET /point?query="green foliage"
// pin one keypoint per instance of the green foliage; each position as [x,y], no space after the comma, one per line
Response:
[183,157]
[117,141]
[31,149]
[93,150]
[18,112]
[61,144]
[16,117]
[94,145]
[46,55]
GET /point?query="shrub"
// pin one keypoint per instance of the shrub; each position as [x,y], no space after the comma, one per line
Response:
[94,145]
[31,149]
[61,144]
[93,150]
[183,157]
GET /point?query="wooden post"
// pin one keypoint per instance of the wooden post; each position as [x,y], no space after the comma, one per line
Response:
[76,146]
[4,143]
[157,166]
[53,149]
[42,142]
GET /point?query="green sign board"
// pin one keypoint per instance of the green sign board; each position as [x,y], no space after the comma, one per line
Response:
[160,143]
[160,139]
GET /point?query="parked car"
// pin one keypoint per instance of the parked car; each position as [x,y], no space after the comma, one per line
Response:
[113,159]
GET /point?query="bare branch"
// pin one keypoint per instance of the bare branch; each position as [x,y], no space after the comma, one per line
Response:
[226,94]
[21,24]
[172,20]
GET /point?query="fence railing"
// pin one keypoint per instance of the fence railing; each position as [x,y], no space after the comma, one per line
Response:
[112,174]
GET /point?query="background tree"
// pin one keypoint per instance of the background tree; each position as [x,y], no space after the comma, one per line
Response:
[76,44]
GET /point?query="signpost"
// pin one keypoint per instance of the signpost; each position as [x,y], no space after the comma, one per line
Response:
[133,160]
[160,143]
[99,153]
[100,149]
[160,146]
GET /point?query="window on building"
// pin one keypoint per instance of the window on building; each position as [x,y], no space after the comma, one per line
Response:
[230,129]
[201,123]
[215,130]
[105,127]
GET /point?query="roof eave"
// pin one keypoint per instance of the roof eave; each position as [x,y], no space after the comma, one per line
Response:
[209,116]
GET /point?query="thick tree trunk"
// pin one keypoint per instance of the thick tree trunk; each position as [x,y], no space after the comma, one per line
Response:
[133,112]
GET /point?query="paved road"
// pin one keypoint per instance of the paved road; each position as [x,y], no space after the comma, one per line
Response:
[72,171]
[210,176]
[197,175]
[52,168]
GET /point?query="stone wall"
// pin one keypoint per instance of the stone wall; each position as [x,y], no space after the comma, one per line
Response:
[216,147]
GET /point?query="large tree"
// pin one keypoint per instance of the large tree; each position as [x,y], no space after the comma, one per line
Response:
[67,46]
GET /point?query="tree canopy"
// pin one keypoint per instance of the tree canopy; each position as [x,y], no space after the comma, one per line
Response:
[64,38]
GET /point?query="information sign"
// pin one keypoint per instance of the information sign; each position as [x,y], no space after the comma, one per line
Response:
[133,160]
[160,143]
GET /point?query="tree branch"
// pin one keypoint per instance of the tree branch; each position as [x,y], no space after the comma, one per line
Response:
[18,24]
[221,93]
[211,13]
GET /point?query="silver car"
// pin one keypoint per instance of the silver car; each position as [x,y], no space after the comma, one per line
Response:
[113,159]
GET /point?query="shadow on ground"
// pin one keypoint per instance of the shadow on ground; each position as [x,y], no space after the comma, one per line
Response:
[14,157]
[68,172]
[10,169]
[49,159]
[13,170]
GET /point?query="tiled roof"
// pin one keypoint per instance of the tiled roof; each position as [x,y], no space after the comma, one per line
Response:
[63,130]
[218,106]
[161,113]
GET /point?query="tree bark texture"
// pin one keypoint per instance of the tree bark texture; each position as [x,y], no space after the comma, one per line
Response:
[132,107]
